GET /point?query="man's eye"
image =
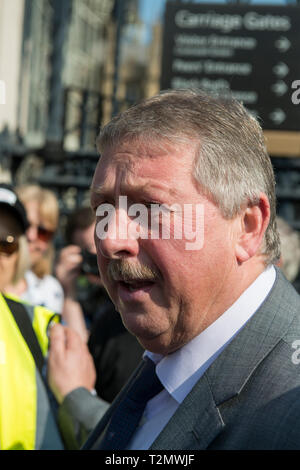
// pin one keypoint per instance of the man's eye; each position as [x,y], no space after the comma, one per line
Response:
[103,204]
[150,204]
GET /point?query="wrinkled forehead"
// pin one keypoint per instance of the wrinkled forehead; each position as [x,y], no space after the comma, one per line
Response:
[128,153]
[139,148]
[136,167]
[127,157]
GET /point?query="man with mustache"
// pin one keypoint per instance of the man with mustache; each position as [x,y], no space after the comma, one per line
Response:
[218,321]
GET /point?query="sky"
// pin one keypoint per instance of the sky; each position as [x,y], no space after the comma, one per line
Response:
[151,10]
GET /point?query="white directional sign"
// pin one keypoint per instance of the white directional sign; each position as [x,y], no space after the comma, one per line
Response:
[248,51]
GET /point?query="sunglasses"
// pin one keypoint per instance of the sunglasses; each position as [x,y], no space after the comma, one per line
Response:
[44,234]
[9,245]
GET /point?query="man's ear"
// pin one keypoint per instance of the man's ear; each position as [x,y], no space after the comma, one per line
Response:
[253,222]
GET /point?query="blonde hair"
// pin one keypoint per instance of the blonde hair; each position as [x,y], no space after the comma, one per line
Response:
[48,204]
[23,261]
[49,212]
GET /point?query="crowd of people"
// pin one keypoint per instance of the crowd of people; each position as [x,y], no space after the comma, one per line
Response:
[65,289]
[198,342]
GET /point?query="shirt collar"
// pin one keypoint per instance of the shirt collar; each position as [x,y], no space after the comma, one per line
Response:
[179,371]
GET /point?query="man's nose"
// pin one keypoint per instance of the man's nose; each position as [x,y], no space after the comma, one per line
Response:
[118,240]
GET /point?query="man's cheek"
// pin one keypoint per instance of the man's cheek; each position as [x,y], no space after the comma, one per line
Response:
[102,267]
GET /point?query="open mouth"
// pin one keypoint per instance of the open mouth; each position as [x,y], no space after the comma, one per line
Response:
[135,290]
[134,286]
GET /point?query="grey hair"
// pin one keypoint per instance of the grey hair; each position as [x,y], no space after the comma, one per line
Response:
[23,262]
[231,163]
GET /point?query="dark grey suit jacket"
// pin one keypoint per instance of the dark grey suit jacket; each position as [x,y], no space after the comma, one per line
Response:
[249,398]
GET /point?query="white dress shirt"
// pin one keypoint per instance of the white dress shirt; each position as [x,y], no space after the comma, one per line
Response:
[179,371]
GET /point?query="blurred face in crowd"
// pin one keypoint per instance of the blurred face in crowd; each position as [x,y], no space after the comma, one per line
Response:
[84,238]
[165,293]
[9,233]
[40,232]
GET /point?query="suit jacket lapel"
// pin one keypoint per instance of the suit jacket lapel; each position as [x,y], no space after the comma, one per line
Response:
[198,421]
[233,368]
[195,424]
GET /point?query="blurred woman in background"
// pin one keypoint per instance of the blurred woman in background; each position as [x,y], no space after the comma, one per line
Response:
[14,253]
[26,418]
[38,286]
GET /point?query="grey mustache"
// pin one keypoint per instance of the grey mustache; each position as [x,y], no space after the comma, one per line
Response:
[123,270]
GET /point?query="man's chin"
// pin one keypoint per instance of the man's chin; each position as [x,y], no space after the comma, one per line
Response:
[152,338]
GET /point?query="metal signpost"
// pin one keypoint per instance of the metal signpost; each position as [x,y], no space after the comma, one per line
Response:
[248,51]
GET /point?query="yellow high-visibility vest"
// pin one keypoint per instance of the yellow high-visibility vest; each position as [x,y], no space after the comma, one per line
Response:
[23,397]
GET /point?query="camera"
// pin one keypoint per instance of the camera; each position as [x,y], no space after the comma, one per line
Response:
[89,263]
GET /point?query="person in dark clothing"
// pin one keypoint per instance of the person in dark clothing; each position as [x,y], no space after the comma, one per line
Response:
[116,353]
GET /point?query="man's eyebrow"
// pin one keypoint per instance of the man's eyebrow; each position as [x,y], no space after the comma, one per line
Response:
[99,189]
[102,189]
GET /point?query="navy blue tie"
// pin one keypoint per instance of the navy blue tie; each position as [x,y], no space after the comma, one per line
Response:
[127,415]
